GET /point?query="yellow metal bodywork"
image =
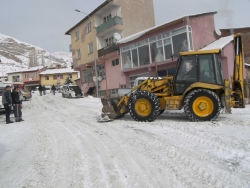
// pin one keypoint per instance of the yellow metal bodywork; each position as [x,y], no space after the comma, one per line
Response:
[203,106]
[143,107]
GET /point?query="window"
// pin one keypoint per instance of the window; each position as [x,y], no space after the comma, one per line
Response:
[78,54]
[90,47]
[77,35]
[70,75]
[157,51]
[115,62]
[167,48]
[123,86]
[54,77]
[89,27]
[161,48]
[180,43]
[107,18]
[135,57]
[34,74]
[101,71]
[109,41]
[15,79]
[87,76]
[46,77]
[126,60]
[144,55]
[26,75]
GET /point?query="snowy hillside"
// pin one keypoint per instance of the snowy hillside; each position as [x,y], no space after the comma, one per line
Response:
[16,55]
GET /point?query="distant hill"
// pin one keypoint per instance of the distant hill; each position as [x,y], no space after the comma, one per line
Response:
[16,55]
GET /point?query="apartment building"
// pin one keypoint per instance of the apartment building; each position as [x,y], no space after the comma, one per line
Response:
[95,37]
[31,76]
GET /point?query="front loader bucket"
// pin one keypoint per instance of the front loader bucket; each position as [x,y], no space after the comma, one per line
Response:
[110,108]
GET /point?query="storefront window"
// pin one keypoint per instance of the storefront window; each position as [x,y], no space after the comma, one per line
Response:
[143,55]
[87,76]
[157,51]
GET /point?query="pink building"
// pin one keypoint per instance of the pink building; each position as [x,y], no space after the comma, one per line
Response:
[31,76]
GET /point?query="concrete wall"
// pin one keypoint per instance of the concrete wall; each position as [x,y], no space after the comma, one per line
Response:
[115,78]
[136,15]
[203,30]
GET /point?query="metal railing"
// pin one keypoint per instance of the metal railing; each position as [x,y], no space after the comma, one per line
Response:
[110,23]
[107,50]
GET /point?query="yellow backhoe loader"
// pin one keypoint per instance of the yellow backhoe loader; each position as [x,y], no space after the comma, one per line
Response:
[197,87]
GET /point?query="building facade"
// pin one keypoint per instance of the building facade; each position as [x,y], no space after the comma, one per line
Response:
[16,78]
[57,77]
[94,38]
[153,52]
[31,76]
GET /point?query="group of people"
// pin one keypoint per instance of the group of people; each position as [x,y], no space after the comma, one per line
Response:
[42,89]
[10,99]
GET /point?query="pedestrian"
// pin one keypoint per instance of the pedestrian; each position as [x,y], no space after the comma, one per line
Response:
[40,89]
[17,105]
[7,101]
[53,88]
[44,90]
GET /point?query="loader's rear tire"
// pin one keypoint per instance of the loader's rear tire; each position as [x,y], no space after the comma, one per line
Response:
[144,106]
[202,105]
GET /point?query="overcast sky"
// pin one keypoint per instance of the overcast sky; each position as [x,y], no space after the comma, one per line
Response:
[44,22]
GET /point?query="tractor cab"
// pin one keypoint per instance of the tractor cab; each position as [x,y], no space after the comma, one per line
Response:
[197,68]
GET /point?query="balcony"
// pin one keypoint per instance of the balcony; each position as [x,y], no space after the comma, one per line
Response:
[108,50]
[110,23]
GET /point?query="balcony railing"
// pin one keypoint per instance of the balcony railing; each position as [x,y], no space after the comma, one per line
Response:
[108,50]
[110,23]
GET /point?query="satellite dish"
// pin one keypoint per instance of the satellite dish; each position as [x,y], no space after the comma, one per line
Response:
[218,32]
[117,36]
[99,78]
[94,78]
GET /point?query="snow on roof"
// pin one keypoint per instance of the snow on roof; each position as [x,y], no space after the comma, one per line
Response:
[219,44]
[141,33]
[235,28]
[247,64]
[58,71]
[32,69]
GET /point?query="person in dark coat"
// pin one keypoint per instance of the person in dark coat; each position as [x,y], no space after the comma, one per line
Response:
[53,88]
[40,89]
[44,90]
[7,101]
[17,104]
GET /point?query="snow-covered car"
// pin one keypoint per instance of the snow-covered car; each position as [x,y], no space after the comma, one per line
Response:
[71,90]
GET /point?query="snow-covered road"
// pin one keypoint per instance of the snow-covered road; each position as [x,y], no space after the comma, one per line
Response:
[60,144]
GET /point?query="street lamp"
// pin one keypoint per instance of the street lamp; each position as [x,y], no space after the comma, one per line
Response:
[96,81]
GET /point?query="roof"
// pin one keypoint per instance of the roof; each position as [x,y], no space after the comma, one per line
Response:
[220,43]
[161,26]
[26,70]
[247,64]
[58,71]
[235,28]
[85,18]
[32,69]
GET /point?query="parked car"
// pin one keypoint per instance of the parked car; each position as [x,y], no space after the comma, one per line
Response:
[71,90]
[24,94]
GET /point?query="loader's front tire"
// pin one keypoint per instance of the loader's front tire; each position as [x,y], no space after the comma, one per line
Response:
[144,106]
[202,105]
